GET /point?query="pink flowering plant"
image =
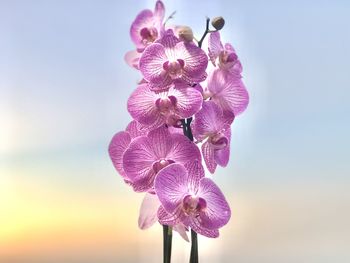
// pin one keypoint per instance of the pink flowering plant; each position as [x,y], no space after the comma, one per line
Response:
[182,109]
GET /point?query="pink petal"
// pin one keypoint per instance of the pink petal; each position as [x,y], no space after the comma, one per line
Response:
[148,211]
[116,149]
[222,156]
[138,160]
[144,184]
[142,107]
[195,174]
[168,219]
[189,101]
[159,11]
[151,66]
[208,121]
[208,156]
[135,129]
[161,142]
[183,149]
[132,58]
[229,47]
[237,67]
[196,62]
[171,186]
[168,40]
[214,46]
[217,212]
[195,224]
[143,19]
[175,130]
[182,230]
[229,93]
[199,88]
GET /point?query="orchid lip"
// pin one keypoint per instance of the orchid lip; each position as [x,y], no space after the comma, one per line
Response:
[193,205]
[227,59]
[232,57]
[173,119]
[219,141]
[166,104]
[174,68]
[157,166]
[148,34]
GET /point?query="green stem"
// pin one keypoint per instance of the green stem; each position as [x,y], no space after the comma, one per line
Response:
[167,243]
[194,247]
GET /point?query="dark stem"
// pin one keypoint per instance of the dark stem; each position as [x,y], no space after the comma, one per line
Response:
[200,42]
[189,131]
[184,127]
[165,243]
[194,247]
[167,240]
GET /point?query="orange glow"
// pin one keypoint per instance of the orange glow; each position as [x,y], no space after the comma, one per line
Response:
[36,221]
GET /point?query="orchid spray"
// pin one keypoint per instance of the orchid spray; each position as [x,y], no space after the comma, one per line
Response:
[182,110]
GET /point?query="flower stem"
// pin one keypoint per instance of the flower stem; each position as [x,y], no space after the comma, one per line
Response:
[194,247]
[200,42]
[167,240]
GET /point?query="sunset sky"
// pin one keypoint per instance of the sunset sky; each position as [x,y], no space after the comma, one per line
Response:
[63,92]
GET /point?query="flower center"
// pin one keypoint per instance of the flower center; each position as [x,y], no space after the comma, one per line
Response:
[174,68]
[148,35]
[157,166]
[172,119]
[219,141]
[227,59]
[192,205]
[166,104]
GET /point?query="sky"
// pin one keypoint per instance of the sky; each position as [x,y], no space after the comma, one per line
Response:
[63,92]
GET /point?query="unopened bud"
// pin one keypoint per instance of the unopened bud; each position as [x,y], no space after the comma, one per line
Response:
[218,22]
[185,33]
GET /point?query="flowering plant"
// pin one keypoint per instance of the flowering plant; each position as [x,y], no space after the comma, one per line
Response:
[182,112]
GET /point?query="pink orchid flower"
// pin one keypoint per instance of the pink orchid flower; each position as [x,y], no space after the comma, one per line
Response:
[228,92]
[188,197]
[147,26]
[169,106]
[147,155]
[212,125]
[121,141]
[224,56]
[169,60]
[148,215]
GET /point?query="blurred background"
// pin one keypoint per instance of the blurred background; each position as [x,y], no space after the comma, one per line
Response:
[63,92]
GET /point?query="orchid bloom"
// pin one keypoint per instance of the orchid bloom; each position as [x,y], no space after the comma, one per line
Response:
[148,215]
[120,142]
[151,108]
[177,106]
[189,197]
[169,60]
[212,125]
[223,56]
[146,28]
[228,92]
[147,155]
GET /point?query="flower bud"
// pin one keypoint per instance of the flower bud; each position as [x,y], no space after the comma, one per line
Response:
[185,33]
[218,22]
